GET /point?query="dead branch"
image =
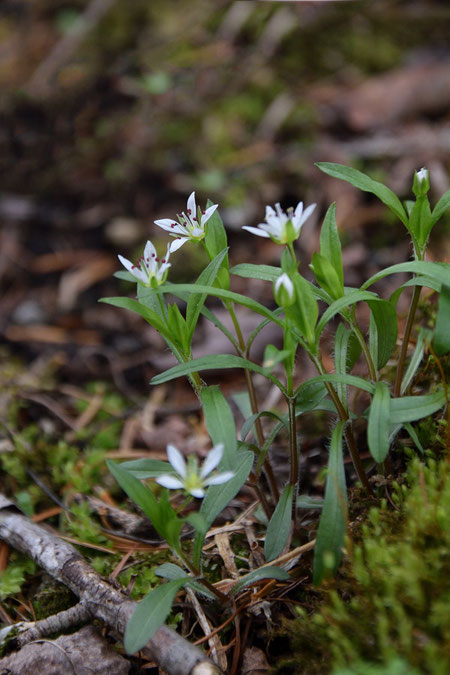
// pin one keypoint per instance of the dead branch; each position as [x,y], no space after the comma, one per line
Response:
[171,652]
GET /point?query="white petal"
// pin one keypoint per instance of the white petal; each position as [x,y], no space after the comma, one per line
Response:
[135,271]
[283,280]
[170,482]
[212,460]
[219,478]
[192,206]
[208,213]
[167,224]
[177,460]
[178,243]
[197,492]
[255,230]
[307,212]
[149,251]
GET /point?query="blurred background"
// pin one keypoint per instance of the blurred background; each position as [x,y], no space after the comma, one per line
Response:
[112,112]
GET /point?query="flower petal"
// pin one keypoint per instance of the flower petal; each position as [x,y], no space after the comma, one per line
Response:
[149,251]
[132,269]
[167,224]
[219,478]
[212,460]
[192,206]
[307,212]
[178,243]
[170,482]
[177,460]
[197,492]
[255,230]
[208,213]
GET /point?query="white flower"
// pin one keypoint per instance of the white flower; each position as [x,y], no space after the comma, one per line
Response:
[149,270]
[189,477]
[281,227]
[191,225]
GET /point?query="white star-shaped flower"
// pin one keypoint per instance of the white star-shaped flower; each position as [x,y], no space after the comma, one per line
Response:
[281,227]
[149,270]
[189,476]
[190,225]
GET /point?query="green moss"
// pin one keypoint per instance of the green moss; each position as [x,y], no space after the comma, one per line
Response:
[392,611]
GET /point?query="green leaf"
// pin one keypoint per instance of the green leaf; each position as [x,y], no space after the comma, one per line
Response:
[420,220]
[415,360]
[441,337]
[367,184]
[178,328]
[134,306]
[195,302]
[440,208]
[140,494]
[215,242]
[219,496]
[412,432]
[269,572]
[412,408]
[150,614]
[330,243]
[385,318]
[125,276]
[351,298]
[335,378]
[146,468]
[279,525]
[379,420]
[439,272]
[327,276]
[250,271]
[249,422]
[304,312]
[181,290]
[309,395]
[333,521]
[214,362]
[346,352]
[220,423]
[172,572]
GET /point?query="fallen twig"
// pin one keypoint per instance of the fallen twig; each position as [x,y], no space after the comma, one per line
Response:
[171,652]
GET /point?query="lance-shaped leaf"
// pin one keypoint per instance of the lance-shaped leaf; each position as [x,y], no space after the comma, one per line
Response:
[330,243]
[439,272]
[279,525]
[326,276]
[441,207]
[367,184]
[150,614]
[420,222]
[378,425]
[385,318]
[196,301]
[269,572]
[333,521]
[146,312]
[335,378]
[346,352]
[412,408]
[337,307]
[441,337]
[304,312]
[220,424]
[216,242]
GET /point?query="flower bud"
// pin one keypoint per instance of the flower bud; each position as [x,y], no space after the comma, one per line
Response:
[421,182]
[283,291]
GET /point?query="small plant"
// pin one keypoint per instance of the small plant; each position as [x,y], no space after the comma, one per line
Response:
[393,406]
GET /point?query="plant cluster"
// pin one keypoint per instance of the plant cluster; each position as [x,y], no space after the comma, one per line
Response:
[392,407]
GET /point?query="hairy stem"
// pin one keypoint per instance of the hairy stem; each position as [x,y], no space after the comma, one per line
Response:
[293,450]
[365,350]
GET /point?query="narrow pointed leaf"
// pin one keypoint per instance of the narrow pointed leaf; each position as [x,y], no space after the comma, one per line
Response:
[220,424]
[216,242]
[415,360]
[269,572]
[172,572]
[351,298]
[440,208]
[439,272]
[146,468]
[134,306]
[378,425]
[385,318]
[441,337]
[150,614]
[346,352]
[334,378]
[333,521]
[367,184]
[412,408]
[330,243]
[279,525]
[196,302]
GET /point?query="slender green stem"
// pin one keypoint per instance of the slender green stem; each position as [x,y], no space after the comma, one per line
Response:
[405,342]
[292,252]
[254,404]
[191,567]
[293,451]
[365,349]
[349,436]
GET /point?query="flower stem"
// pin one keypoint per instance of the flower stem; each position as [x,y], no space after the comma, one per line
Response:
[405,342]
[293,450]
[254,404]
[349,436]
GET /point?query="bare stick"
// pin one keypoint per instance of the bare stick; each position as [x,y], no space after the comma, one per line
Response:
[171,652]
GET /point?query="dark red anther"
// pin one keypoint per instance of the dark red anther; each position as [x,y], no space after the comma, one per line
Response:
[163,260]
[189,211]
